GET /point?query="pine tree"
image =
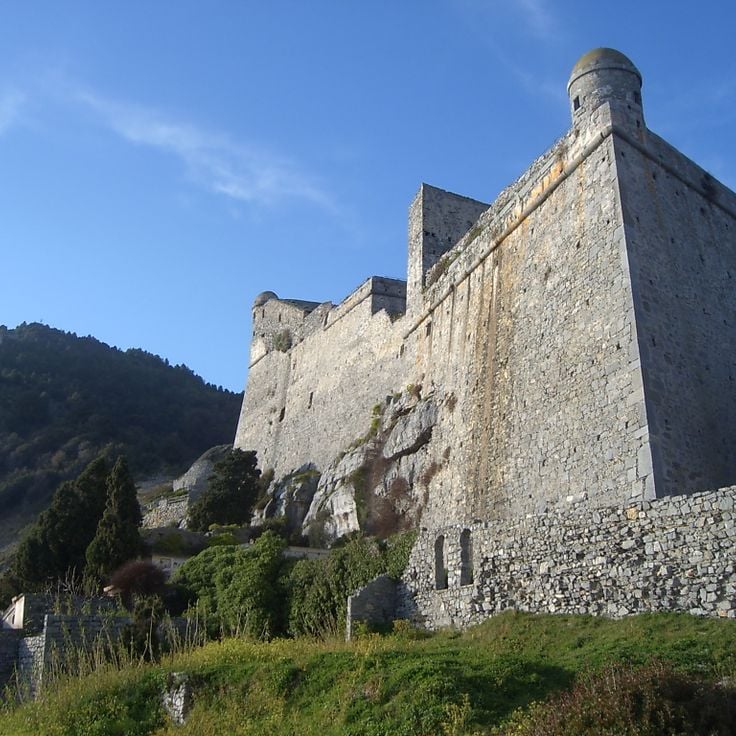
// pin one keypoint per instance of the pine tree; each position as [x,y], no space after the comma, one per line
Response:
[117,538]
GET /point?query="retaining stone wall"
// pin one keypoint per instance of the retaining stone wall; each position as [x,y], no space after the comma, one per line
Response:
[671,554]
[168,512]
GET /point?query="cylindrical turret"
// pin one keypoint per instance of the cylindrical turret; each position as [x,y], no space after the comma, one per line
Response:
[605,75]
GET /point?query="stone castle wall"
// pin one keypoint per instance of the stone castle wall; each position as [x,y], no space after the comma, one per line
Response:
[577,344]
[306,404]
[673,553]
[681,231]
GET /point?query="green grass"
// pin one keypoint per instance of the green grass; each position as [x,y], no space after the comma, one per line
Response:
[403,684]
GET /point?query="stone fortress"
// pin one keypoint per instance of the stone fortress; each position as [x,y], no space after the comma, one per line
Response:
[549,397]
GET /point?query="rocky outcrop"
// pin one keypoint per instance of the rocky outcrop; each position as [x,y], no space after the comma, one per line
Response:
[194,481]
[377,485]
[289,497]
[172,508]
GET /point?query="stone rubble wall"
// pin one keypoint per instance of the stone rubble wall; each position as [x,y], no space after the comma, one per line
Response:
[62,634]
[374,603]
[671,554]
[167,512]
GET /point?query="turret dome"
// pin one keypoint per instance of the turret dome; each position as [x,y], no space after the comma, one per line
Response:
[263,297]
[606,76]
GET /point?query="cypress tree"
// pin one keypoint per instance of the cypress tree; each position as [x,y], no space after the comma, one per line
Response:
[117,538]
[55,547]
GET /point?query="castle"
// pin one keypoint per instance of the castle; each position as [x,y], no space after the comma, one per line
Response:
[551,391]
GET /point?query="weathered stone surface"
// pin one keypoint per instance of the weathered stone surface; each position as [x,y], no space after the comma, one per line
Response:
[178,697]
[372,489]
[373,604]
[411,430]
[575,339]
[566,562]
[290,497]
[194,481]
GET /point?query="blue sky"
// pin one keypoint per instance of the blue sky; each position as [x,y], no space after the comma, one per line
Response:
[163,162]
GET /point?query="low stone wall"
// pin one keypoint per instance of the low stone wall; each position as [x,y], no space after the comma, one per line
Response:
[167,512]
[671,554]
[374,603]
[9,639]
[62,634]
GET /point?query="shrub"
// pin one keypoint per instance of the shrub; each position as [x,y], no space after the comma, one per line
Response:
[653,700]
[239,589]
[138,578]
[317,590]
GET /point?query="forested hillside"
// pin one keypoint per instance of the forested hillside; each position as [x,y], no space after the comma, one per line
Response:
[64,398]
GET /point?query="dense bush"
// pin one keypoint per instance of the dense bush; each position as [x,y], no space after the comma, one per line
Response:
[257,591]
[238,589]
[318,589]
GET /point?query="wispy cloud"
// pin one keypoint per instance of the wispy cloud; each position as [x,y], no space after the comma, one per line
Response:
[526,17]
[11,103]
[539,19]
[212,160]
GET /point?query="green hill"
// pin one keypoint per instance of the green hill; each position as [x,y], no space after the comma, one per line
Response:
[64,398]
[409,683]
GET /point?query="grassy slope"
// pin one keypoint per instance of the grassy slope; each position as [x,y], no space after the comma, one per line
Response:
[448,683]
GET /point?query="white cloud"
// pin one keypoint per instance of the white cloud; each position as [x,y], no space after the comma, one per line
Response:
[10,106]
[215,162]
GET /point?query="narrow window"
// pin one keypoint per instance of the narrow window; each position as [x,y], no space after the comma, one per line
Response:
[428,329]
[637,98]
[466,558]
[576,103]
[282,414]
[311,396]
[440,568]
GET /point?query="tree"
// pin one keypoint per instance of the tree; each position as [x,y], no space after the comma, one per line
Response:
[231,493]
[117,538]
[55,547]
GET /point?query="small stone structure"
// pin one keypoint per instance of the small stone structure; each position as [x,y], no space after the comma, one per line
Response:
[178,698]
[29,657]
[576,341]
[374,604]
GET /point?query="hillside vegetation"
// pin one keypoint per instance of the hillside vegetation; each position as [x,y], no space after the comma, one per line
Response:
[410,683]
[64,398]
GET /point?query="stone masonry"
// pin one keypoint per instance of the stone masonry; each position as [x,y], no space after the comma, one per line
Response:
[577,337]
